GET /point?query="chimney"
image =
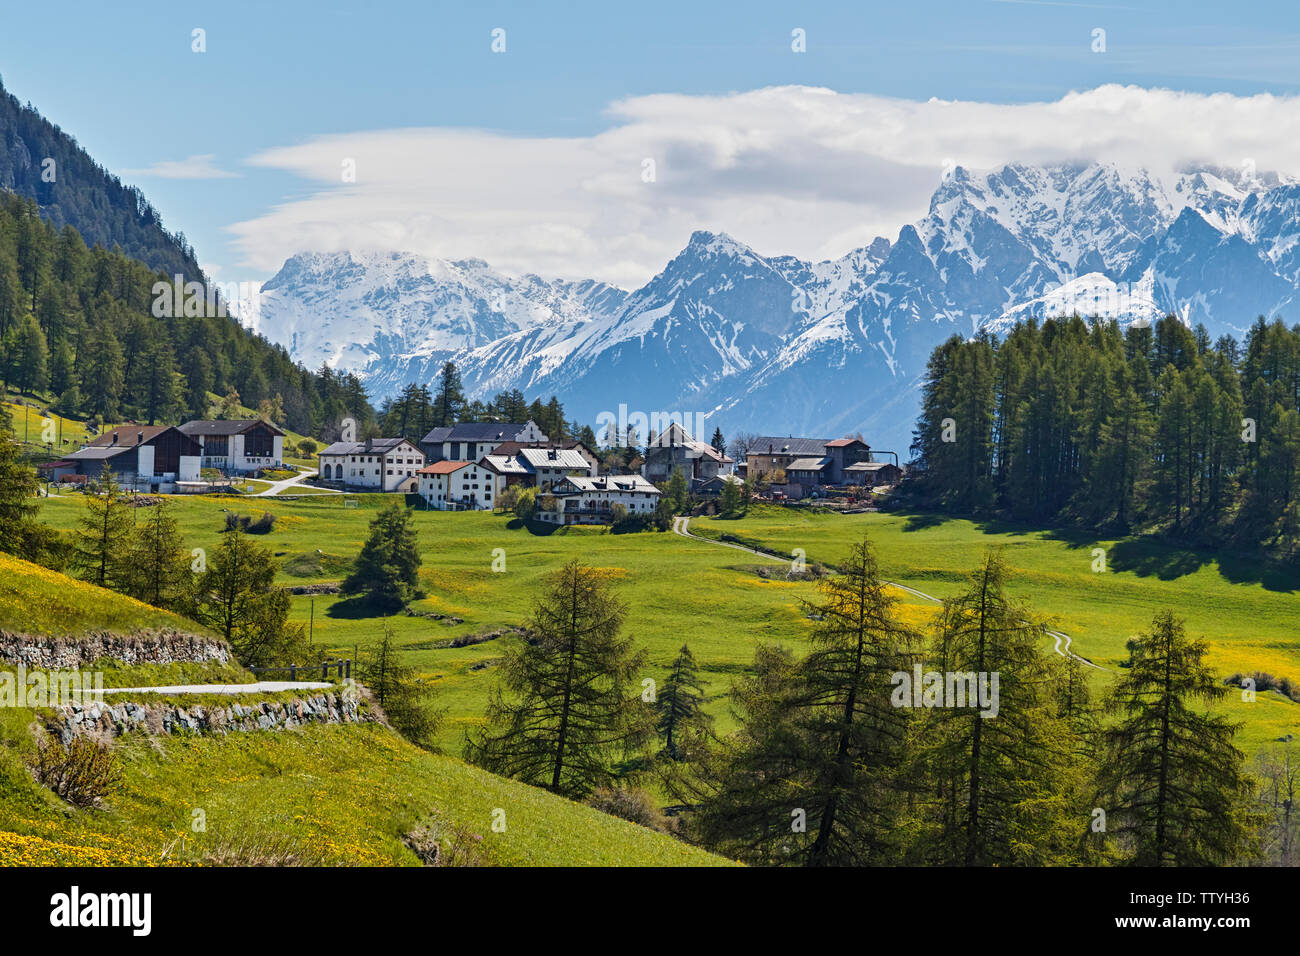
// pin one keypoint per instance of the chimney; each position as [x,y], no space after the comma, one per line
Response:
[550,453]
[139,438]
[114,441]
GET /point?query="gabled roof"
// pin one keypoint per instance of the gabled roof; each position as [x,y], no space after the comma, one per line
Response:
[373,446]
[445,467]
[534,458]
[871,466]
[787,446]
[233,426]
[843,442]
[475,431]
[675,436]
[505,464]
[128,436]
[582,483]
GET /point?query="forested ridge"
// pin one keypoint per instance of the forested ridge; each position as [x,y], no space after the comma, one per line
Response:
[40,161]
[1154,428]
[77,325]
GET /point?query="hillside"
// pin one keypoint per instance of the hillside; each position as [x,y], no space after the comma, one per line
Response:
[78,192]
[318,794]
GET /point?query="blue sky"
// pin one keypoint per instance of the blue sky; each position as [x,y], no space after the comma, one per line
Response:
[277,76]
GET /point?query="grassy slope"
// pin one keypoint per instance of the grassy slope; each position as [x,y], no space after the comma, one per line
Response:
[1245,609]
[680,590]
[333,794]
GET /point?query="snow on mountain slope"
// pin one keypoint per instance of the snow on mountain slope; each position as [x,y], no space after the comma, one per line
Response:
[776,344]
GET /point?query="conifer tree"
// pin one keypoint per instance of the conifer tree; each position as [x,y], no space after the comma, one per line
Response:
[998,770]
[236,596]
[1172,781]
[403,696]
[387,569]
[159,571]
[815,776]
[680,706]
[101,546]
[567,707]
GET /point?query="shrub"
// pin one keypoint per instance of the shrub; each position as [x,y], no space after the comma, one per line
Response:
[438,843]
[526,505]
[263,525]
[84,772]
[632,804]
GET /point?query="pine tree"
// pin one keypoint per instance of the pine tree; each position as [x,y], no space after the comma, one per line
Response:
[1172,782]
[451,396]
[103,370]
[730,502]
[719,443]
[815,775]
[387,569]
[20,532]
[236,596]
[101,546]
[567,707]
[159,567]
[403,696]
[680,706]
[997,770]
[29,357]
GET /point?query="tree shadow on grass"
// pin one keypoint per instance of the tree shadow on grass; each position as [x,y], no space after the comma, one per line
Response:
[358,608]
[1168,562]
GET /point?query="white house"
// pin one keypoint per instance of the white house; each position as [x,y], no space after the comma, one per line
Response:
[549,465]
[376,464]
[237,446]
[588,500]
[460,485]
[470,441]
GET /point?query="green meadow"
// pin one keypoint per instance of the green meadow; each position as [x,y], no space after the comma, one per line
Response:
[685,591]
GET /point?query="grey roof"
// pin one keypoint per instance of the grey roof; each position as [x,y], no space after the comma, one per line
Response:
[870,466]
[807,464]
[612,483]
[788,446]
[534,458]
[234,426]
[98,452]
[505,465]
[474,431]
[375,446]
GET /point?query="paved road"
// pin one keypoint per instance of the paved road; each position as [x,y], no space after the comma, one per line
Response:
[286,485]
[682,526]
[260,687]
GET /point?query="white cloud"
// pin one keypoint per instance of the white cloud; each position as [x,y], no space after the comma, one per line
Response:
[192,167]
[795,170]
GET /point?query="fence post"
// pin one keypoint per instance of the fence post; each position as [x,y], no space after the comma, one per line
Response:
[325,670]
[340,668]
[293,672]
[349,674]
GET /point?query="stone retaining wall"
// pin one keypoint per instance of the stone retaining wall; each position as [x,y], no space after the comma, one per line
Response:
[143,647]
[113,719]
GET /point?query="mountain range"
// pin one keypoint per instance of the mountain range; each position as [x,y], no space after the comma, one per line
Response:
[779,345]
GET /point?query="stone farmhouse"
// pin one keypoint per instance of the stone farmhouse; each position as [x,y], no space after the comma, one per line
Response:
[812,463]
[674,449]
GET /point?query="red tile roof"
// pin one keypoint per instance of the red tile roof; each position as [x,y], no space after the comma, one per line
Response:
[443,467]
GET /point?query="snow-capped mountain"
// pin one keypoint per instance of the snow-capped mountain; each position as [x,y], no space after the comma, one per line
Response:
[774,343]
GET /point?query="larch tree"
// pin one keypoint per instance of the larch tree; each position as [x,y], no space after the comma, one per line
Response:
[567,707]
[1172,782]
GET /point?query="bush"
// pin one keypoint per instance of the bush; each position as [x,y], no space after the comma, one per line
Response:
[438,843]
[632,804]
[84,772]
[263,525]
[526,505]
